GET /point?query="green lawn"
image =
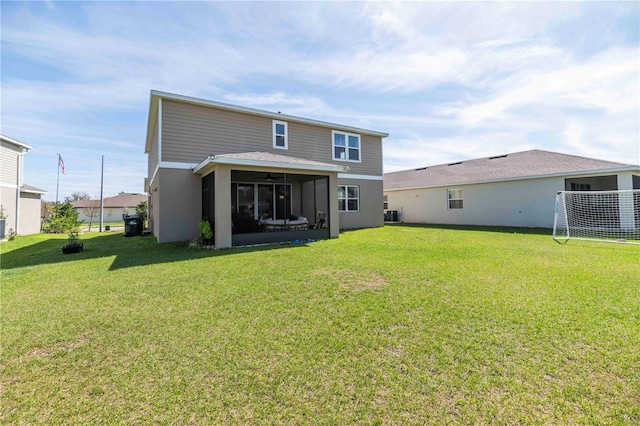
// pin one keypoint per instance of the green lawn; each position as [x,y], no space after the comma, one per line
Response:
[395,325]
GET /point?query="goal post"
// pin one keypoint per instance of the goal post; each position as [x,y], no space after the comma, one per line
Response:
[610,216]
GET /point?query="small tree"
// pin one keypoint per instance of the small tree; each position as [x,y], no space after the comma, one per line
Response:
[47,208]
[142,210]
[79,195]
[92,210]
[63,219]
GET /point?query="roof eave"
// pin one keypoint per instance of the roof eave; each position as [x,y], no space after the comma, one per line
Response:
[151,121]
[212,160]
[507,179]
[15,142]
[33,191]
[274,115]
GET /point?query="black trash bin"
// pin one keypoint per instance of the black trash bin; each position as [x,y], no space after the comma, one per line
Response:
[132,225]
[391,216]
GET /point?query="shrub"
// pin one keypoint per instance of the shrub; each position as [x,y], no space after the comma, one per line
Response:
[205,235]
[64,219]
[142,210]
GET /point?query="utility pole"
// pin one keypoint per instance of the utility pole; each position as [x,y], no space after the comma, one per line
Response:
[101,194]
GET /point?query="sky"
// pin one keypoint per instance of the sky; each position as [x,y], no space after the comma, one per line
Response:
[448,81]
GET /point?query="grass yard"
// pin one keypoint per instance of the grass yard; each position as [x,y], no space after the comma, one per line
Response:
[395,325]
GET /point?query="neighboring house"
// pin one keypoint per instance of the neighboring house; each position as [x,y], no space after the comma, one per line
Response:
[21,202]
[113,207]
[257,176]
[517,189]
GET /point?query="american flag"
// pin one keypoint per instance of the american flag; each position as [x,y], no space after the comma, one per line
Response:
[61,163]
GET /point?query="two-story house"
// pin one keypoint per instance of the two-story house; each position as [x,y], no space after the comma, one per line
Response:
[257,176]
[21,203]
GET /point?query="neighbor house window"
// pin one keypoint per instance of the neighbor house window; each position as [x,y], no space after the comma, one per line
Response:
[348,198]
[580,186]
[280,139]
[455,198]
[346,146]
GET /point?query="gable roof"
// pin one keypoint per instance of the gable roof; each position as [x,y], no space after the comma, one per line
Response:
[267,159]
[120,200]
[157,95]
[519,165]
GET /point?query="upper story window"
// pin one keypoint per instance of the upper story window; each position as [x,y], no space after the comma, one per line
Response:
[455,198]
[346,146]
[280,138]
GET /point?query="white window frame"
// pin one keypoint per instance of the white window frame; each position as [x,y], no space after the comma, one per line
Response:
[346,198]
[346,147]
[286,135]
[458,195]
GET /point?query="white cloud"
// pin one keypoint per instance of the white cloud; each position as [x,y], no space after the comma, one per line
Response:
[286,103]
[448,81]
[608,81]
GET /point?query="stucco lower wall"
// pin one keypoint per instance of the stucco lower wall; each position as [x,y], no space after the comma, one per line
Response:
[180,195]
[110,214]
[371,214]
[30,209]
[8,202]
[527,203]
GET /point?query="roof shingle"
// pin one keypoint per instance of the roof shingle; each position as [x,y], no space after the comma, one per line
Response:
[518,165]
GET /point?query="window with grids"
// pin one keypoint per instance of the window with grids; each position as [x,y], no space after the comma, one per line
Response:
[280,139]
[346,146]
[455,198]
[348,198]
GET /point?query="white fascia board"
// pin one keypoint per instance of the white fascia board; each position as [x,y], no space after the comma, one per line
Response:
[359,177]
[32,191]
[587,173]
[151,121]
[14,142]
[273,115]
[175,165]
[170,165]
[273,165]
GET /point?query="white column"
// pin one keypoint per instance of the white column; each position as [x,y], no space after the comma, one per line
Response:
[625,202]
[334,214]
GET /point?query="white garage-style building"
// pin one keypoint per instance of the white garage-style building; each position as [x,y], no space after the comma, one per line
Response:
[516,189]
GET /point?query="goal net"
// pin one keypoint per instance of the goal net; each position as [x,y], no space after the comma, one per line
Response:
[611,216]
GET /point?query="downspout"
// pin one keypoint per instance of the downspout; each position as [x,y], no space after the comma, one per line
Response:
[19,178]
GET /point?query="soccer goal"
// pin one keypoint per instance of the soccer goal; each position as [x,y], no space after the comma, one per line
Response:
[611,216]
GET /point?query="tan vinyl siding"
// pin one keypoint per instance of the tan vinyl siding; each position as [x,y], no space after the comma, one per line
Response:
[9,164]
[153,152]
[190,133]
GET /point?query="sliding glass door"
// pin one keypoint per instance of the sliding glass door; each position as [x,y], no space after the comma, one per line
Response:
[265,201]
[262,201]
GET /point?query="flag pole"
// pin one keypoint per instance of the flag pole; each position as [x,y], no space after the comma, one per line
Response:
[58,180]
[101,193]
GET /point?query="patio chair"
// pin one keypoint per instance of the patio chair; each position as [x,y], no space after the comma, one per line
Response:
[322,217]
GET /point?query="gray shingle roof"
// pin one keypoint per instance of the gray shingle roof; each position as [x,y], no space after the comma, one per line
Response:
[273,158]
[29,188]
[517,165]
[121,200]
[267,159]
